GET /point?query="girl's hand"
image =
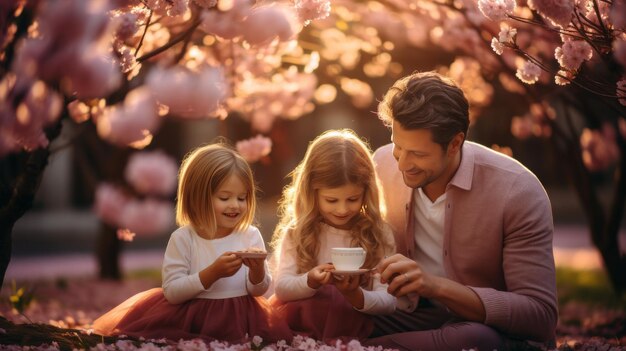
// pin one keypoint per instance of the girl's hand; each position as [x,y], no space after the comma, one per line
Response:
[346,284]
[319,276]
[349,286]
[226,265]
[257,269]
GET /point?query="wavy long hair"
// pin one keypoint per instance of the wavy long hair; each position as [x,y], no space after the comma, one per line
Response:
[202,171]
[333,159]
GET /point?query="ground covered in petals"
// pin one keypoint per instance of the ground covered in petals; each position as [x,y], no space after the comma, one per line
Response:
[57,315]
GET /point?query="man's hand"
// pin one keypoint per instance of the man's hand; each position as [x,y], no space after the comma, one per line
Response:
[405,276]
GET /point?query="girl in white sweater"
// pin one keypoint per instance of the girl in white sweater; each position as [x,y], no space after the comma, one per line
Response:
[332,201]
[212,282]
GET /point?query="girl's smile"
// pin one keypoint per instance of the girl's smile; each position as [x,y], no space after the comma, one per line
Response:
[229,204]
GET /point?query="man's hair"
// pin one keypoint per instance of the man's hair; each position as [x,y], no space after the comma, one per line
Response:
[426,100]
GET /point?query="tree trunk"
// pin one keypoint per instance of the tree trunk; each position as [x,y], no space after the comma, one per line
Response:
[603,225]
[21,177]
[108,248]
[5,250]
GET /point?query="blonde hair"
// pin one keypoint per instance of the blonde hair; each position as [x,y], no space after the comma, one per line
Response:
[202,171]
[333,159]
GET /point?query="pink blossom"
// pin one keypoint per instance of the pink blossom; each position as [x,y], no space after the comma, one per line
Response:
[178,7]
[132,122]
[152,173]
[522,127]
[193,345]
[265,23]
[21,126]
[528,72]
[309,10]
[206,3]
[497,46]
[91,74]
[558,12]
[507,34]
[619,50]
[79,111]
[572,54]
[189,94]
[563,77]
[74,51]
[125,235]
[226,24]
[254,149]
[599,147]
[148,217]
[110,202]
[127,59]
[621,91]
[496,10]
[126,25]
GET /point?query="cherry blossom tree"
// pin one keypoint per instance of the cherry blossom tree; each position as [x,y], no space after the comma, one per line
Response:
[124,66]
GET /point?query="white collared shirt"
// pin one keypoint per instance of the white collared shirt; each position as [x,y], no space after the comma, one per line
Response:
[429,221]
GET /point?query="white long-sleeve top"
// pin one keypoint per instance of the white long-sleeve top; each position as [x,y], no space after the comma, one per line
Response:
[187,254]
[291,285]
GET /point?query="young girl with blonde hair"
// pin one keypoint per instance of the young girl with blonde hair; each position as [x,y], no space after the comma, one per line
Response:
[333,201]
[211,289]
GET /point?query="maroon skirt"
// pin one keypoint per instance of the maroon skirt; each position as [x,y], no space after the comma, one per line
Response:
[236,320]
[325,316]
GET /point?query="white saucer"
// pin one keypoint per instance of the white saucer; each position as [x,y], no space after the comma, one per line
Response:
[351,272]
[244,254]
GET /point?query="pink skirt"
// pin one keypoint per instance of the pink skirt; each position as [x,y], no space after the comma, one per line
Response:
[236,320]
[325,316]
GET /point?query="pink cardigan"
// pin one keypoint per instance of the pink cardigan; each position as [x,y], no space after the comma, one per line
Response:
[497,237]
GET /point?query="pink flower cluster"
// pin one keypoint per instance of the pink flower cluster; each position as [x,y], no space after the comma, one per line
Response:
[254,149]
[66,48]
[21,126]
[573,53]
[149,173]
[558,12]
[257,26]
[74,51]
[144,217]
[286,94]
[496,10]
[599,147]
[528,72]
[506,36]
[131,123]
[187,93]
[309,10]
[152,173]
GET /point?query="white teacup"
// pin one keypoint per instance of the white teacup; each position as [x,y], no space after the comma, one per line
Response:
[347,258]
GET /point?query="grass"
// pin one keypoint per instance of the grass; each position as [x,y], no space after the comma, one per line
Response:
[588,287]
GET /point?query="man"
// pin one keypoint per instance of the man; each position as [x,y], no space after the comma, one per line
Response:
[473,229]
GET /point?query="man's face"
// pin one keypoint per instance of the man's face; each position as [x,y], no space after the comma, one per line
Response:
[420,159]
